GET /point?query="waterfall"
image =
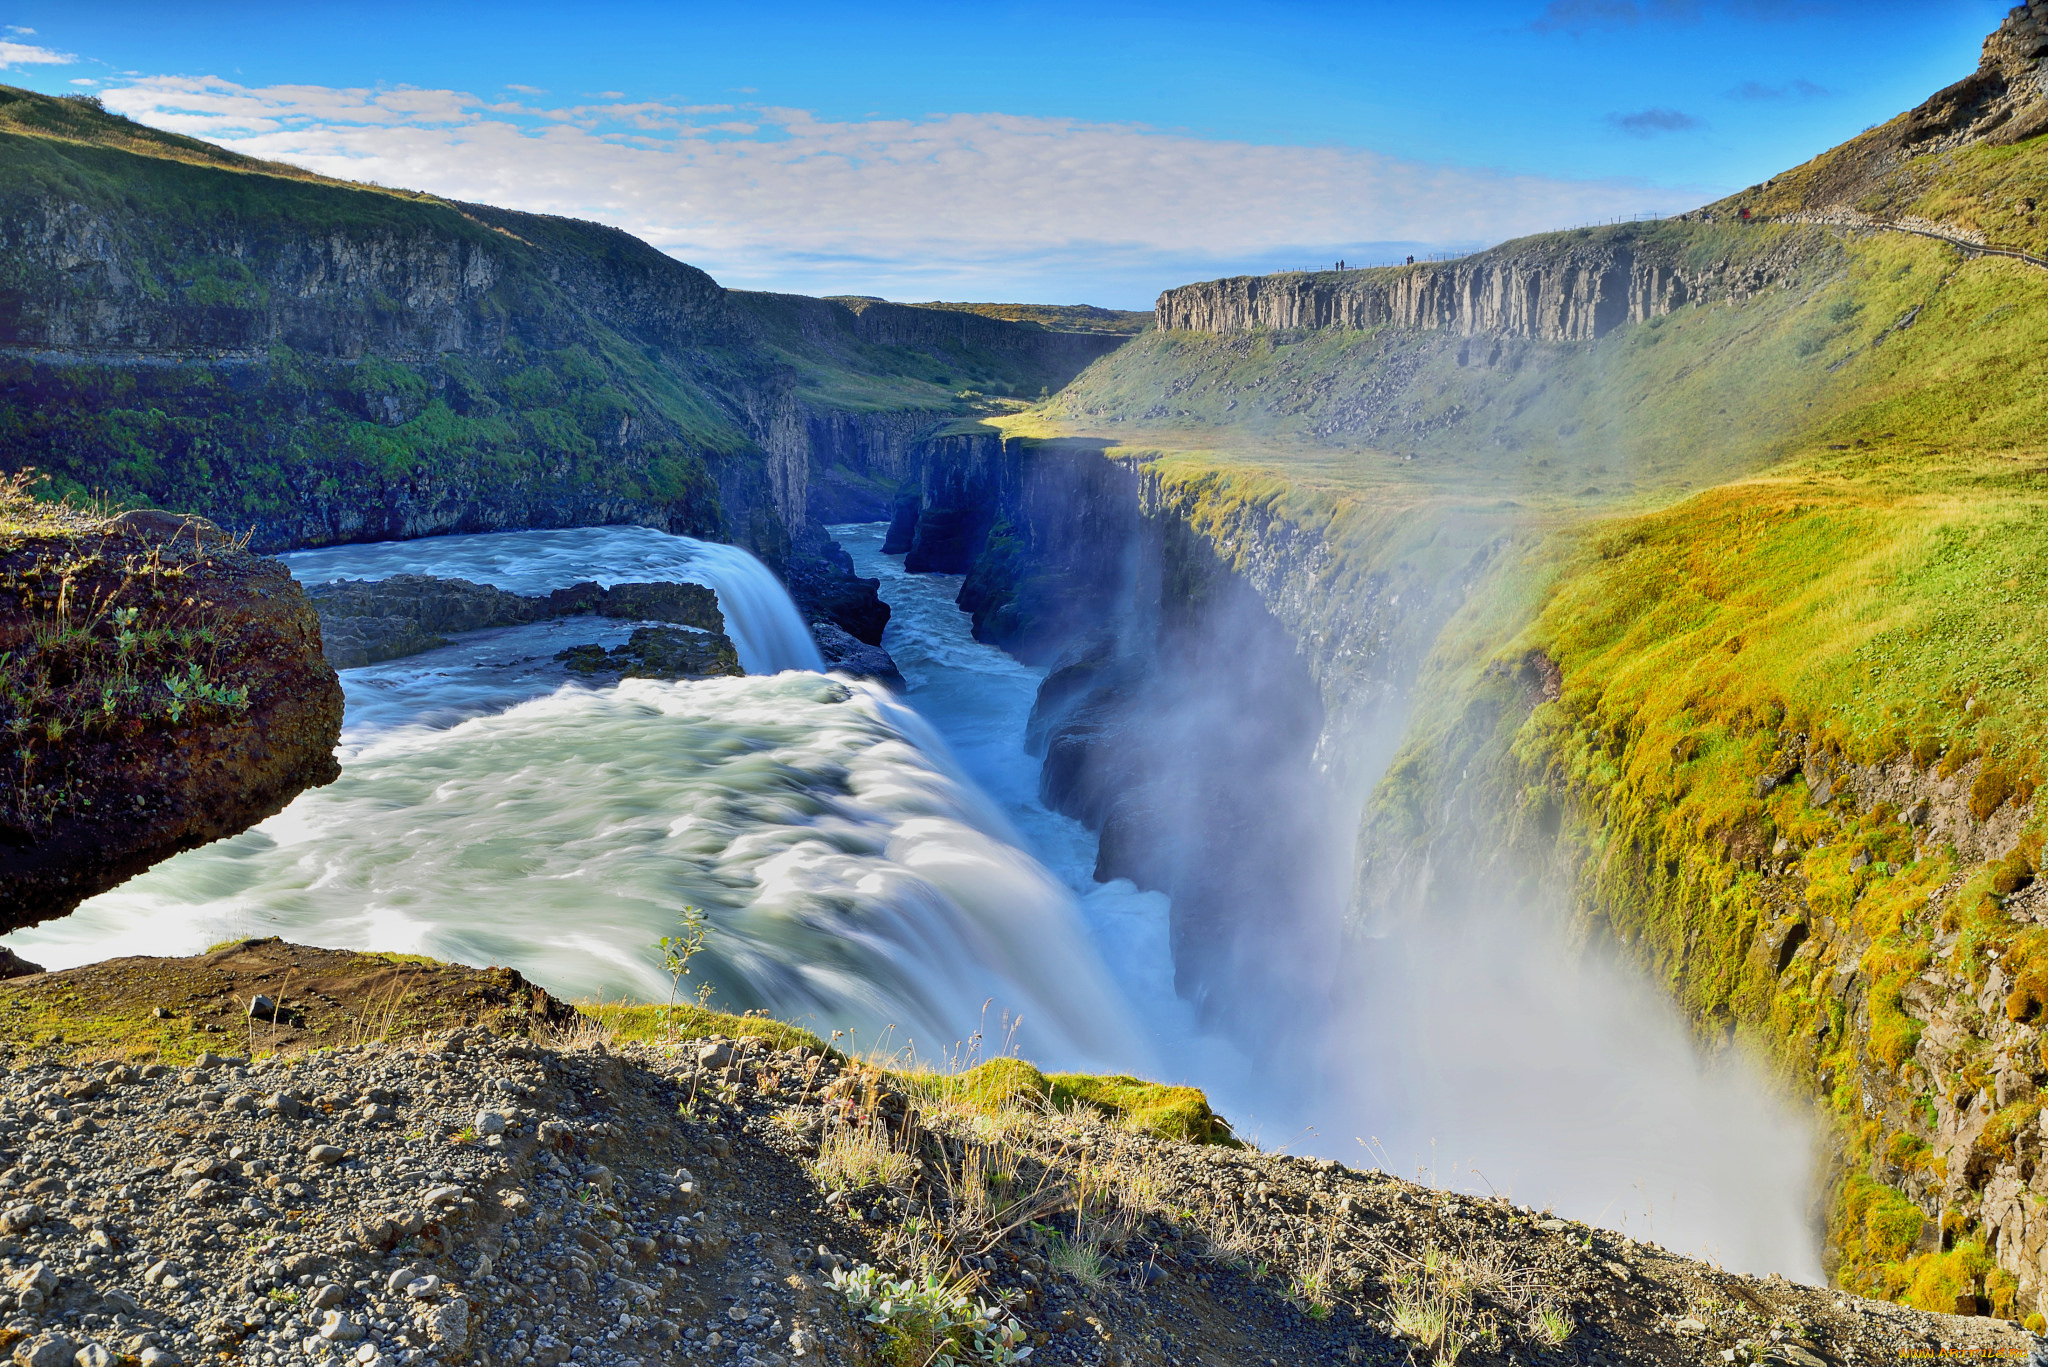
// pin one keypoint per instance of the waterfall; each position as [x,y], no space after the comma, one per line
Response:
[491,811]
[759,617]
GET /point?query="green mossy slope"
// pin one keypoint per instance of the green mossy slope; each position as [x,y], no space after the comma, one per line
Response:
[1795,537]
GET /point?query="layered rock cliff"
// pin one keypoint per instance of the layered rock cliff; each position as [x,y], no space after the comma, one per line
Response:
[1571,287]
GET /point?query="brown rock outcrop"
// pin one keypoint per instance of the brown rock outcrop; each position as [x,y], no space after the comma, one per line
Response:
[159,688]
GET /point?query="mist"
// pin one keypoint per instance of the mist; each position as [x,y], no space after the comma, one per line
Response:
[1467,1041]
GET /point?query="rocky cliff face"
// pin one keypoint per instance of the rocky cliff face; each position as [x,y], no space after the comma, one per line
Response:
[1838,928]
[1220,681]
[161,687]
[1940,167]
[1570,287]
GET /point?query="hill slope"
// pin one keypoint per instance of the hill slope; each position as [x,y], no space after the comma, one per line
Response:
[490,1175]
[325,361]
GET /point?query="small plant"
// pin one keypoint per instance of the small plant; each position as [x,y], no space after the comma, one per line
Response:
[1079,1258]
[931,1323]
[1429,1317]
[1312,1286]
[676,953]
[1551,1326]
[1430,1304]
[855,1157]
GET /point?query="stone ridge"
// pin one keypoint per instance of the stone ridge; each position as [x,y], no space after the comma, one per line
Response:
[364,621]
[2005,100]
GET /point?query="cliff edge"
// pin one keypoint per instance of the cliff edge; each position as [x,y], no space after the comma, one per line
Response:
[160,687]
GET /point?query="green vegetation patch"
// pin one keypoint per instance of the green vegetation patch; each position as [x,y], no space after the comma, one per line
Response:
[634,1023]
[1157,1109]
[109,644]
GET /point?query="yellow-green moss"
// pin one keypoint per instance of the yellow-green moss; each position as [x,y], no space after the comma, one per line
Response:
[1157,1109]
[1933,1281]
[642,1024]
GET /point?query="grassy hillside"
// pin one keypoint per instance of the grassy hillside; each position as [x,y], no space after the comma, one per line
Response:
[1680,402]
[820,343]
[183,326]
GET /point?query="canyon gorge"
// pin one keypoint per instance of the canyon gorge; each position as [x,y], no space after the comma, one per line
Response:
[1577,704]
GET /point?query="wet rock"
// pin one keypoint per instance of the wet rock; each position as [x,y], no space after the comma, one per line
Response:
[844,654]
[657,653]
[367,621]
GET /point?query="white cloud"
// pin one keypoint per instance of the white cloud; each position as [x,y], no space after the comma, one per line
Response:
[948,203]
[28,54]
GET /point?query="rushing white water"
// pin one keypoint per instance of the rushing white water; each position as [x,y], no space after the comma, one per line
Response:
[491,812]
[979,699]
[763,624]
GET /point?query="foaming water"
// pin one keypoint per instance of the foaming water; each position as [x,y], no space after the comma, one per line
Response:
[978,698]
[490,811]
[1482,1055]
[763,624]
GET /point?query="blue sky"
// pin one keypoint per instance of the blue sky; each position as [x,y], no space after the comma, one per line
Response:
[1055,152]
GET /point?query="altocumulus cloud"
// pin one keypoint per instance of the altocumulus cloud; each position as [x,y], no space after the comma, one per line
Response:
[956,201]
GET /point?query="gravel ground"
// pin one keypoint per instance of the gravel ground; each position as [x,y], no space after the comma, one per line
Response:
[469,1197]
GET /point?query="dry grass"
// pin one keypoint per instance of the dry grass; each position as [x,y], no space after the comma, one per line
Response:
[1431,1304]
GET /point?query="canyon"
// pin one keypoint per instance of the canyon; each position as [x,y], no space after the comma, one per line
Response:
[1668,586]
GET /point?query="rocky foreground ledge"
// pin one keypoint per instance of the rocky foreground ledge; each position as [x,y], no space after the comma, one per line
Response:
[401,1162]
